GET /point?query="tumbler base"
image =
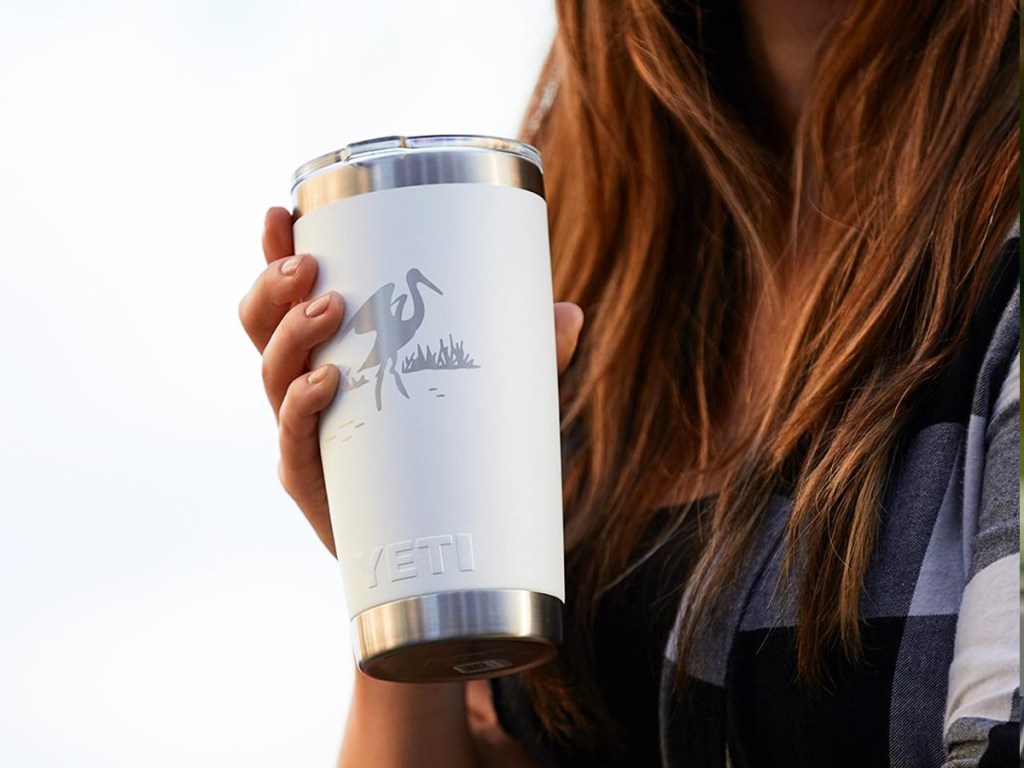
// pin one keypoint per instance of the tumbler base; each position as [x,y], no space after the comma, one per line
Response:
[458,636]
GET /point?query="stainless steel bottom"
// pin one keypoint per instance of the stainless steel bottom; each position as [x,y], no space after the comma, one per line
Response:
[458,636]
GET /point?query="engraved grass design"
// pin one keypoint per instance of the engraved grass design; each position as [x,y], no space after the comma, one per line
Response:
[447,357]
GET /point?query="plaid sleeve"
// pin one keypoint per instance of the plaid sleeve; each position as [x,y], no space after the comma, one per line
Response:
[982,720]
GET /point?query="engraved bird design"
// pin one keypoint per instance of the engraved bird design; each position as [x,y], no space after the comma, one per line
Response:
[382,314]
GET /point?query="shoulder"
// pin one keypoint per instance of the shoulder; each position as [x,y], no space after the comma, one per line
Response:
[983,703]
[1000,365]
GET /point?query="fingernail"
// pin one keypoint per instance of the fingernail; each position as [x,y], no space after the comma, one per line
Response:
[319,306]
[318,375]
[291,265]
[577,314]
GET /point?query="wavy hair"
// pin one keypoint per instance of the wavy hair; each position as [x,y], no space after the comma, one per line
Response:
[677,203]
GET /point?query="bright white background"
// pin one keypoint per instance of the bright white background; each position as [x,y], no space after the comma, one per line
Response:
[162,602]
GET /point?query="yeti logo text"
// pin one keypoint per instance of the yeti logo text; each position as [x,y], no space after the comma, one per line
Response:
[407,559]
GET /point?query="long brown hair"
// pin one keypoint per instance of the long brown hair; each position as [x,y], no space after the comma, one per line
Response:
[676,204]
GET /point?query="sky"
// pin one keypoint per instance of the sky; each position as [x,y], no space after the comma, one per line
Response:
[163,601]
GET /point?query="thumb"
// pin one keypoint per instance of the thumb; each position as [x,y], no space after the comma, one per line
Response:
[568,323]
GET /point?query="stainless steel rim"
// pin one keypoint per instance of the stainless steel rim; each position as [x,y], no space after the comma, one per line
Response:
[399,161]
[362,151]
[458,635]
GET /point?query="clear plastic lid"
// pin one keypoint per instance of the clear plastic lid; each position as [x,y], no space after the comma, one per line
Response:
[364,151]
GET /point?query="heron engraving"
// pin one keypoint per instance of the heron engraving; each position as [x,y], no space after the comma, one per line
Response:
[382,314]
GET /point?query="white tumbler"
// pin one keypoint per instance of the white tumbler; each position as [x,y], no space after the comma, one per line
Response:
[441,451]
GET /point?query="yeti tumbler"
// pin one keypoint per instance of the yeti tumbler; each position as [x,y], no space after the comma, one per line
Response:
[441,450]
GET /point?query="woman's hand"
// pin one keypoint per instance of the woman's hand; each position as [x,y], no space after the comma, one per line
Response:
[285,323]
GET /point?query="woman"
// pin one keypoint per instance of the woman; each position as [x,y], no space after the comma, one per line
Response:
[791,426]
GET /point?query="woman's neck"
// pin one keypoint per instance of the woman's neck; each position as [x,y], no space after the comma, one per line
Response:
[783,38]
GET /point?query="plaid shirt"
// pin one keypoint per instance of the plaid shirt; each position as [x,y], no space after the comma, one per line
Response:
[939,681]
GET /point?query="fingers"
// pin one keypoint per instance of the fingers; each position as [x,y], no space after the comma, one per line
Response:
[568,323]
[300,469]
[277,234]
[277,289]
[303,327]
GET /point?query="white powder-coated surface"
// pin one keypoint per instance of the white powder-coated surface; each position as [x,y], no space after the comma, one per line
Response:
[472,450]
